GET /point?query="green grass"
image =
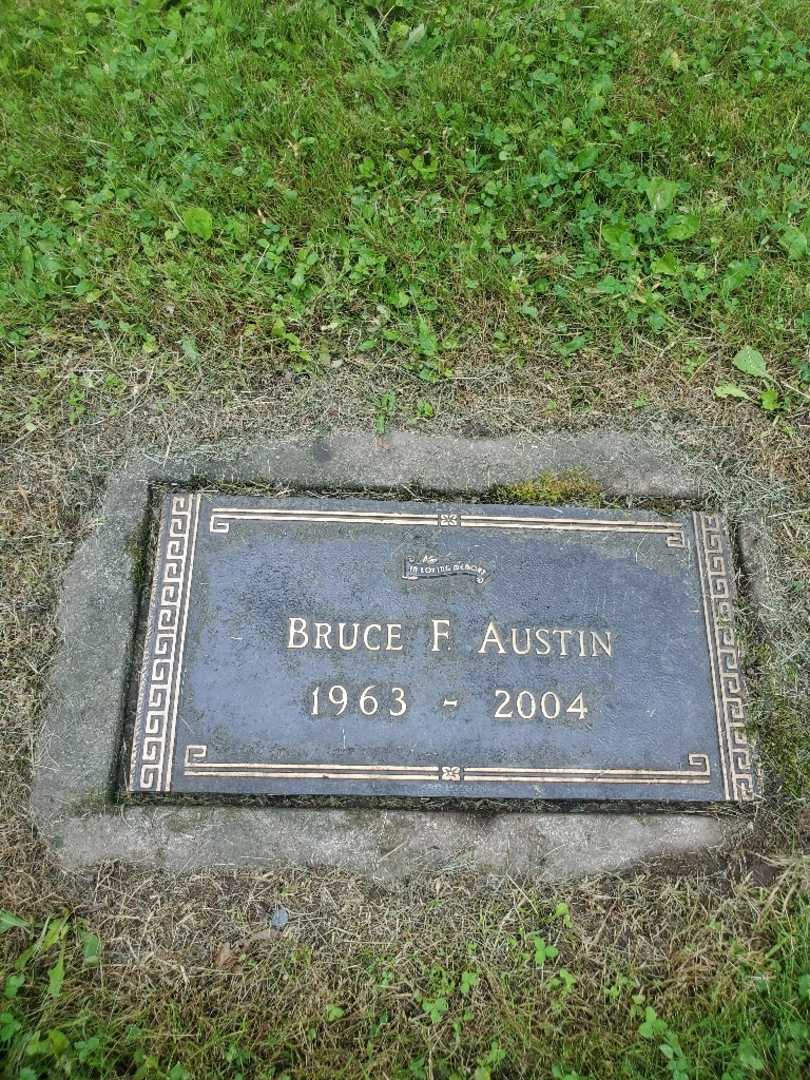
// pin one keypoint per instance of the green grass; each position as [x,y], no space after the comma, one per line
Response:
[568,183]
[538,988]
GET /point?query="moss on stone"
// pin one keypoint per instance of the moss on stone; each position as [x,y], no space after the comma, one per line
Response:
[552,489]
[137,549]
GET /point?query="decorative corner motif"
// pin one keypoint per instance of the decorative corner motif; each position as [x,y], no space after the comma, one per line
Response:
[219,523]
[195,755]
[153,742]
[736,753]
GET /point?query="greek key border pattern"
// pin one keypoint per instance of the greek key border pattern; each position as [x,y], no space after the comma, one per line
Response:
[153,743]
[736,753]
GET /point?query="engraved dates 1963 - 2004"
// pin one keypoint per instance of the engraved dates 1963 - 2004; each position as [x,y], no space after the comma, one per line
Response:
[373,700]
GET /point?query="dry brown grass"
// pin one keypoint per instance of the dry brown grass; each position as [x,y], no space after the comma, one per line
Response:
[192,959]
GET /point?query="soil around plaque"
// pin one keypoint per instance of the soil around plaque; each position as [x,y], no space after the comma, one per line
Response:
[81,750]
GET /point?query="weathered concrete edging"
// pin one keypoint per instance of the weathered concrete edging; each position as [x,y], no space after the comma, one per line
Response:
[78,748]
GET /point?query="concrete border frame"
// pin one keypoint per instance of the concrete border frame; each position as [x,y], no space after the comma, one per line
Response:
[79,744]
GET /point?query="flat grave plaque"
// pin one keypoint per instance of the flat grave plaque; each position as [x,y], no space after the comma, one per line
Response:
[356,647]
